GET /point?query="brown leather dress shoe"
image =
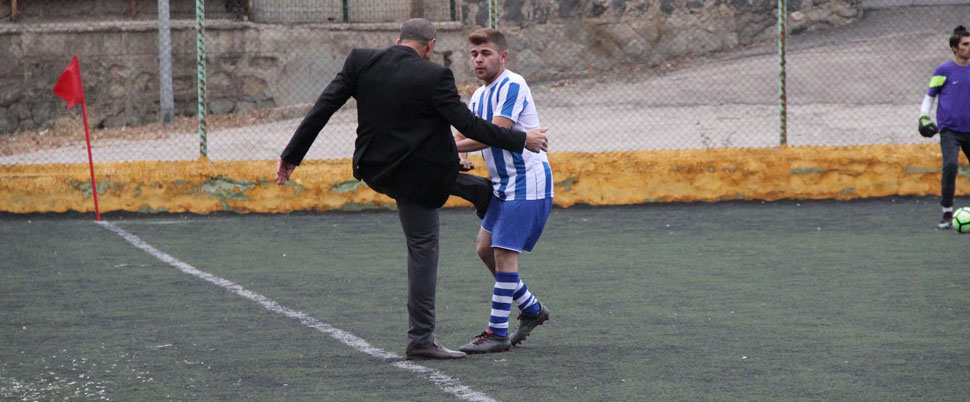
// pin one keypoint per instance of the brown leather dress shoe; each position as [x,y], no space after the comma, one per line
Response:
[435,352]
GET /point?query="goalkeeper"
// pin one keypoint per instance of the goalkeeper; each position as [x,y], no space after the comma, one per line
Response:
[951,83]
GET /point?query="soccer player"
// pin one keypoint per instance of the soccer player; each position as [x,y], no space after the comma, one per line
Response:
[522,184]
[951,83]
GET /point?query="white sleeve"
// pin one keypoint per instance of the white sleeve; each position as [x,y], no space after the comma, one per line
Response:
[927,105]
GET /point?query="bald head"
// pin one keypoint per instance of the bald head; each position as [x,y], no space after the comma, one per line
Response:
[418,30]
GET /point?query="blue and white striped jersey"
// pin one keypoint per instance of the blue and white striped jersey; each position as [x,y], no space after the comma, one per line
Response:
[515,176]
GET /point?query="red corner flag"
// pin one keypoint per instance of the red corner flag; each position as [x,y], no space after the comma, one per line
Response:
[69,87]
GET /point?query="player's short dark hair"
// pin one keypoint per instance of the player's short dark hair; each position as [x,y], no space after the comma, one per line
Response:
[417,30]
[958,33]
[488,35]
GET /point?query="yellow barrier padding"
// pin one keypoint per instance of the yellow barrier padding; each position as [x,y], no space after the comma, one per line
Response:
[612,178]
[749,174]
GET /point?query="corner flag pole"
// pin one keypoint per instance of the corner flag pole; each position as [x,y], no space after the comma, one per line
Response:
[87,138]
[69,87]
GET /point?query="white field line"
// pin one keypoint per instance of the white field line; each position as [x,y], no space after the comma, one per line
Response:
[443,381]
[157,222]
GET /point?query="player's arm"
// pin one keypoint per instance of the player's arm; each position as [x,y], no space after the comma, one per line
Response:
[463,162]
[446,100]
[926,126]
[459,137]
[924,109]
[466,145]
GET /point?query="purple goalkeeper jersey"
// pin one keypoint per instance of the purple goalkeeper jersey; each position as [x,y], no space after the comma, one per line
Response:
[952,83]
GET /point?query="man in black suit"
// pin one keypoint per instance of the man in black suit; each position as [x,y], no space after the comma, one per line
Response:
[406,106]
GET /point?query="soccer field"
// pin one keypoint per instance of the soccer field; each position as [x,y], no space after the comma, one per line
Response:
[818,300]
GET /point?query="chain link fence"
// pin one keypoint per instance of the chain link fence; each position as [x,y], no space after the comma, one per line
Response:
[263,11]
[606,75]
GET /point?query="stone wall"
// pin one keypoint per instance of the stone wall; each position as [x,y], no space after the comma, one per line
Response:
[254,65]
[249,66]
[40,11]
[551,39]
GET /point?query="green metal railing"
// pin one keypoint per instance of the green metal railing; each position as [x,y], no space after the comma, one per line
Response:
[200,63]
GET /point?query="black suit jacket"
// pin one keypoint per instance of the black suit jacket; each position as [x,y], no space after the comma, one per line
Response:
[405,107]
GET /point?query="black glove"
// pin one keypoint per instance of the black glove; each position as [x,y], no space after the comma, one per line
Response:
[926,126]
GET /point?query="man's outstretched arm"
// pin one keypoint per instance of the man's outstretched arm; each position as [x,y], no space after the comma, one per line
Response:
[333,97]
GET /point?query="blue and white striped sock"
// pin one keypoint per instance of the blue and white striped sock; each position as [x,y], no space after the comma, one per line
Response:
[527,303]
[505,283]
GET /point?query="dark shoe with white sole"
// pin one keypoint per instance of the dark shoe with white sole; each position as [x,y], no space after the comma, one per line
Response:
[487,342]
[527,324]
[947,222]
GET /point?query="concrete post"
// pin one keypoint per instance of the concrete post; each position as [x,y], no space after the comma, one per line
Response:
[165,93]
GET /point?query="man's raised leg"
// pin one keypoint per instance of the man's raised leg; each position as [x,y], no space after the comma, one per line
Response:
[474,189]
